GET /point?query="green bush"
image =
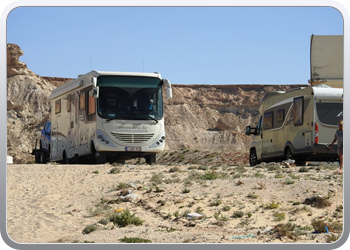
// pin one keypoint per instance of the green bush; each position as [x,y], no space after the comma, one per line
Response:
[125,218]
[90,228]
[134,240]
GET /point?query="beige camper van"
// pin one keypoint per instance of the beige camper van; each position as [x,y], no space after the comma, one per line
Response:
[297,124]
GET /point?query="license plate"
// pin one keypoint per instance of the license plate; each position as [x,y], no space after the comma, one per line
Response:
[133,149]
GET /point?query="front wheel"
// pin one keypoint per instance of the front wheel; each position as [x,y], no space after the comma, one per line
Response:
[101,157]
[151,159]
[253,158]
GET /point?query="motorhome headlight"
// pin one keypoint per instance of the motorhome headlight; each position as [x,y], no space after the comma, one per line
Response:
[103,139]
[159,142]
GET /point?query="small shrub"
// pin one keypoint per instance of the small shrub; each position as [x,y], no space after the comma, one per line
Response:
[122,185]
[134,240]
[210,175]
[174,169]
[157,178]
[253,196]
[238,214]
[289,182]
[273,205]
[90,228]
[332,237]
[202,167]
[319,225]
[125,218]
[279,216]
[103,221]
[114,170]
[318,202]
[215,203]
[96,172]
[199,210]
[286,230]
[158,190]
[273,168]
[303,170]
[226,208]
[186,190]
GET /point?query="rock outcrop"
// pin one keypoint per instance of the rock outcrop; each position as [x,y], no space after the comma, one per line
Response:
[208,117]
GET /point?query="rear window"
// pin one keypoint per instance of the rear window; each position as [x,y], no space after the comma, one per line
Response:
[329,113]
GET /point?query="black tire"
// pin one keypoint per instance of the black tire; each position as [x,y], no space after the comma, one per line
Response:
[253,158]
[66,160]
[37,157]
[43,157]
[102,158]
[150,159]
[288,153]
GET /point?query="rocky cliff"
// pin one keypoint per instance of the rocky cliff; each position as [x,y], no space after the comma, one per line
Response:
[207,117]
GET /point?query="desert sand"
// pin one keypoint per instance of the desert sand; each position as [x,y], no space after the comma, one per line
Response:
[55,203]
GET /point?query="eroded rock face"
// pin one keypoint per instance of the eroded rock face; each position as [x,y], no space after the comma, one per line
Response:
[207,117]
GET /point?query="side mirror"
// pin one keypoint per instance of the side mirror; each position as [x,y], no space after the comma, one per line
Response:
[169,93]
[247,130]
[95,92]
[94,81]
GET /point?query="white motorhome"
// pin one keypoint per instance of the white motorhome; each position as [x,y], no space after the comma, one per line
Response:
[297,124]
[108,117]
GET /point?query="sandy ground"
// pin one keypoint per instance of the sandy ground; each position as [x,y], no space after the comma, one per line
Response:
[54,203]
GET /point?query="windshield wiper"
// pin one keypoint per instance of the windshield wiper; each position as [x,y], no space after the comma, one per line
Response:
[154,119]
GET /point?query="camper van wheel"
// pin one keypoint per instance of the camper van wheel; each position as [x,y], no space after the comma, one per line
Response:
[101,157]
[66,160]
[253,159]
[37,157]
[150,159]
[288,153]
[43,157]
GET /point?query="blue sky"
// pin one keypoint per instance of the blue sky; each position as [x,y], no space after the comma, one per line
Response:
[187,45]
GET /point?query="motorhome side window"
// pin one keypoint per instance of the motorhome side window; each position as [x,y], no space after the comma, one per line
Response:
[68,103]
[298,111]
[268,120]
[58,106]
[82,101]
[280,115]
[91,106]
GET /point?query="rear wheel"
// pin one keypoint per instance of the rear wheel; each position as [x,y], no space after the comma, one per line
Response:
[253,158]
[43,157]
[37,157]
[288,153]
[66,160]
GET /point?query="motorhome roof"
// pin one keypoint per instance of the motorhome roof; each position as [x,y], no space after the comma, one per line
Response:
[78,82]
[117,73]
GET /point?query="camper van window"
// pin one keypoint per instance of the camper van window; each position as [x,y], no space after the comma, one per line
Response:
[68,103]
[298,110]
[268,120]
[329,113]
[91,108]
[280,115]
[58,106]
[82,101]
[91,103]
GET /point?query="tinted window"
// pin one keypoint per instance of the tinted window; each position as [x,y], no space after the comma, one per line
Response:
[329,113]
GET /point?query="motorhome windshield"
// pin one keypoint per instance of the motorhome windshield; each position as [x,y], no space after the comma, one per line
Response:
[329,113]
[129,97]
